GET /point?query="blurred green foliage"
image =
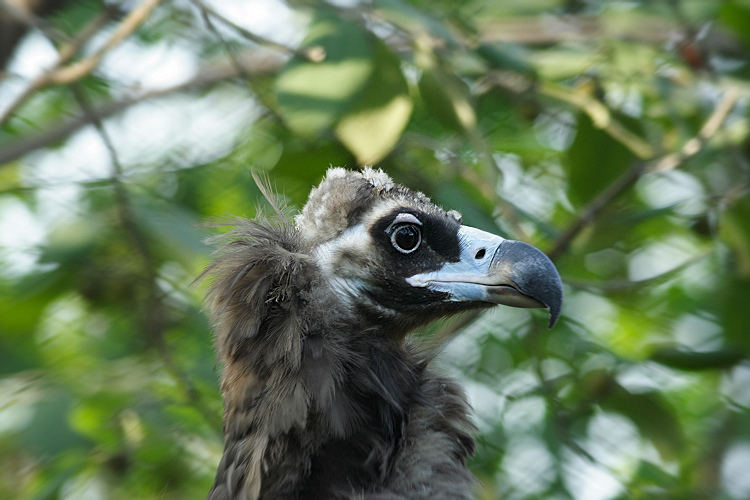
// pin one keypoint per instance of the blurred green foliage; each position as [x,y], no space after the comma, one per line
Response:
[612,134]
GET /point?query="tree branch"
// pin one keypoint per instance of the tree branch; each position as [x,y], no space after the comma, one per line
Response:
[601,116]
[314,54]
[695,144]
[667,162]
[128,25]
[209,75]
[589,213]
[66,52]
[17,16]
[154,309]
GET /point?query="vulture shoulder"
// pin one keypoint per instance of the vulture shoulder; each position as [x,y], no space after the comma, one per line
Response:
[323,395]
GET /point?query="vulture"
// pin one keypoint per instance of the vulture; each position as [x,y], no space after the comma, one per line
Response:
[324,395]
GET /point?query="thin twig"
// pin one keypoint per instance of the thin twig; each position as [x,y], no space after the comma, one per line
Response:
[601,117]
[66,52]
[695,144]
[314,54]
[27,17]
[667,162]
[243,70]
[128,25]
[461,169]
[231,54]
[489,191]
[589,214]
[208,76]
[596,110]
[153,320]
[626,285]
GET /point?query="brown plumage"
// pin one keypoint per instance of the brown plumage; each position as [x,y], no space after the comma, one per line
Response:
[324,395]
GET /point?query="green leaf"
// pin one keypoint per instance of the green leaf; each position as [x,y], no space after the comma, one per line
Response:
[734,294]
[736,16]
[502,58]
[174,229]
[594,160]
[97,419]
[48,432]
[652,416]
[76,15]
[374,124]
[652,474]
[303,164]
[10,176]
[475,210]
[735,231]
[313,95]
[448,99]
[413,19]
[693,361]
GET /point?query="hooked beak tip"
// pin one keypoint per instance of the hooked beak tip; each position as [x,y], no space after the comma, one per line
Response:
[554,314]
[531,273]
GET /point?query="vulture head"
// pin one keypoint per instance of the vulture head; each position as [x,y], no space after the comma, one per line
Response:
[395,258]
[324,395]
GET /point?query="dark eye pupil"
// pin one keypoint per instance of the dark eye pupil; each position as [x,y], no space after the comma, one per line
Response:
[406,238]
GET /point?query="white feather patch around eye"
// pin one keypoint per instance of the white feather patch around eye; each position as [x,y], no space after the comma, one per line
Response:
[403,218]
[355,238]
[347,289]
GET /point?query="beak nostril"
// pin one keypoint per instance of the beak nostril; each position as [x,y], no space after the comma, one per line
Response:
[480,253]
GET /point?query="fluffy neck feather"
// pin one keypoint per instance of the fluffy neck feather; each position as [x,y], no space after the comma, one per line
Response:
[301,372]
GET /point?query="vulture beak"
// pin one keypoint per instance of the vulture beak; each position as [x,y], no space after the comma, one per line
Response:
[498,271]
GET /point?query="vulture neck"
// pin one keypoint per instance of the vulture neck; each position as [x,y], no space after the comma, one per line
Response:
[317,391]
[362,382]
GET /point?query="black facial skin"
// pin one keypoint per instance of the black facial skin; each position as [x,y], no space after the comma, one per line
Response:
[439,244]
[439,241]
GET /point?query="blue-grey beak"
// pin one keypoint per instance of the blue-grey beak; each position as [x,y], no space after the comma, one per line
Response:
[499,271]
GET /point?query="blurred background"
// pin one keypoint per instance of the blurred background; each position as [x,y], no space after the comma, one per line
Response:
[613,135]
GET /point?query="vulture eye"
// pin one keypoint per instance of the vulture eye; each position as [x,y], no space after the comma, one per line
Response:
[406,238]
